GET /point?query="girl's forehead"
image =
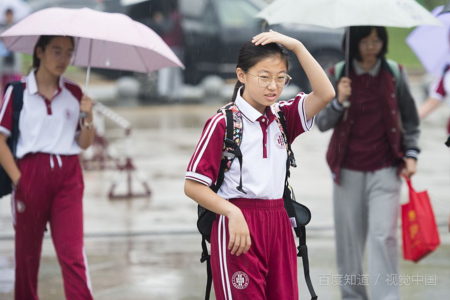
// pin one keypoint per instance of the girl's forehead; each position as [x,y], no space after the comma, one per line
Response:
[373,34]
[61,41]
[273,64]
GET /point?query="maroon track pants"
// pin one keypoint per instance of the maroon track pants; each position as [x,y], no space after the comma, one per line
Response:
[268,271]
[50,190]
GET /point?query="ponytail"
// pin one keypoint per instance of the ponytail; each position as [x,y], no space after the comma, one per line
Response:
[236,89]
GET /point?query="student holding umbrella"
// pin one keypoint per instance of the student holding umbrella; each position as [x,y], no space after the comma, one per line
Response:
[47,177]
[376,129]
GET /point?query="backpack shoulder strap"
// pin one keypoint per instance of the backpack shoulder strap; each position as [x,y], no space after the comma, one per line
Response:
[231,143]
[338,69]
[17,108]
[281,120]
[395,68]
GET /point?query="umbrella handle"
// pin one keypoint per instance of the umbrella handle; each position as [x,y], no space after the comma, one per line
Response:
[88,73]
[83,114]
[347,52]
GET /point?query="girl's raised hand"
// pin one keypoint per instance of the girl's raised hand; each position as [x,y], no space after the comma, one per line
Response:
[275,37]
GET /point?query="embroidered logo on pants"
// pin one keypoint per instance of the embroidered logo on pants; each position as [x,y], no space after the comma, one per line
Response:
[20,206]
[240,280]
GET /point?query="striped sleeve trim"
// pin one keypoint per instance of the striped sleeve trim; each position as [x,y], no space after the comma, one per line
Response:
[4,104]
[199,178]
[412,154]
[306,124]
[336,105]
[203,144]
[5,131]
[437,90]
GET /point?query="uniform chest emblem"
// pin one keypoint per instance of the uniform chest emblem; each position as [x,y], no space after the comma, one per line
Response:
[279,141]
[240,280]
[68,114]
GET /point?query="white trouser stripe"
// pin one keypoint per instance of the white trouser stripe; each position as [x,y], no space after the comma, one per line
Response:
[219,230]
[88,279]
[13,207]
[224,246]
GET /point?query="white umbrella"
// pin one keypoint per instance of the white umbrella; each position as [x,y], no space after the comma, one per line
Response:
[344,13]
[19,8]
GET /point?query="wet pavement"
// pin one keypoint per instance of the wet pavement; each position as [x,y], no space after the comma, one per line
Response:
[148,248]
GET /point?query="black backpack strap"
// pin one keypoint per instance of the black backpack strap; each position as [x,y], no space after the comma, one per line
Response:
[206,257]
[300,231]
[229,142]
[291,155]
[17,103]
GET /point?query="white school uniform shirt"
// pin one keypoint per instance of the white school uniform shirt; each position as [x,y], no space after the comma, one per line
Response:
[263,150]
[46,126]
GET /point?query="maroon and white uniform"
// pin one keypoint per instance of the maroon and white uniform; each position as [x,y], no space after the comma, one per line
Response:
[269,269]
[51,186]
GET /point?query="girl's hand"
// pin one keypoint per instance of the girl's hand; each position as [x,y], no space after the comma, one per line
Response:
[275,37]
[410,168]
[239,233]
[344,89]
[86,106]
[15,182]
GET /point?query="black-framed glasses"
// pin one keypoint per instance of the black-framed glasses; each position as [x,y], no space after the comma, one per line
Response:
[280,80]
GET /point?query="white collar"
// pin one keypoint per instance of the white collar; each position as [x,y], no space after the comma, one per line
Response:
[32,87]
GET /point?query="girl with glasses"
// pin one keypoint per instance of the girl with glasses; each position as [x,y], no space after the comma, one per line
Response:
[47,177]
[253,253]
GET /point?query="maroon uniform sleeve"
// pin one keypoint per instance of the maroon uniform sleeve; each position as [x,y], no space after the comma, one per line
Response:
[437,87]
[296,122]
[6,113]
[205,163]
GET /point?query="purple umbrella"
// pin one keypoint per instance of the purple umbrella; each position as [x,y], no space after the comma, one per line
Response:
[431,44]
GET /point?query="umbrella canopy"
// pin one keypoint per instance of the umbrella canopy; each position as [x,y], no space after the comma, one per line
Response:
[344,13]
[102,40]
[431,43]
[19,8]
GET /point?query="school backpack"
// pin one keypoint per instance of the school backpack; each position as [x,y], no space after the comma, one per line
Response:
[5,181]
[299,214]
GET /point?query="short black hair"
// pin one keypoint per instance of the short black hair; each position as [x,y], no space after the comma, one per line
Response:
[357,33]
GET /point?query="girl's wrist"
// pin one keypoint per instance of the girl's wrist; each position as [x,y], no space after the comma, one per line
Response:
[16,182]
[233,210]
[298,46]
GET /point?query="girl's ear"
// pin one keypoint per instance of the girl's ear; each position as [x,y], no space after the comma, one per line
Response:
[240,75]
[39,52]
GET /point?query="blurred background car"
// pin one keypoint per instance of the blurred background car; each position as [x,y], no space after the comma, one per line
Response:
[214,30]
[41,4]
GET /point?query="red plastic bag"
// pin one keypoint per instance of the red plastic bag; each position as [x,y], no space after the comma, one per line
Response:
[420,233]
